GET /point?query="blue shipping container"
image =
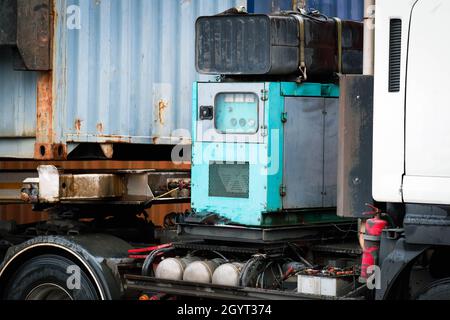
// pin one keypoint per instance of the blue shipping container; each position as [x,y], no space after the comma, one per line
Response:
[122,73]
[344,9]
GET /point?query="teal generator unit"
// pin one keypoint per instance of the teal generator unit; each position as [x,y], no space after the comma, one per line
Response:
[265,153]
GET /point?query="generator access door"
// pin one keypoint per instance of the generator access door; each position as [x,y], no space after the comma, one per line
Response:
[310,152]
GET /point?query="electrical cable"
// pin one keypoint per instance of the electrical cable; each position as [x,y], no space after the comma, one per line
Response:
[213,251]
[244,272]
[221,255]
[295,248]
[147,204]
[345,231]
[245,277]
[146,266]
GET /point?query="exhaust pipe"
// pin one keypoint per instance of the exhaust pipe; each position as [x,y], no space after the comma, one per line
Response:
[369,37]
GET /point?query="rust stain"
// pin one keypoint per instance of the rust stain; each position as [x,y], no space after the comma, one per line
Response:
[21,214]
[108,150]
[59,151]
[158,213]
[49,151]
[44,120]
[94,165]
[162,105]
[78,125]
[46,147]
[44,108]
[114,139]
[24,214]
[100,127]
[10,186]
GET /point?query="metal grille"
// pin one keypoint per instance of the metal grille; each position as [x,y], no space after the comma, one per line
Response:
[229,180]
[395,50]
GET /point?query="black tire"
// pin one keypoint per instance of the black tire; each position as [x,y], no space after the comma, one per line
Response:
[439,290]
[45,278]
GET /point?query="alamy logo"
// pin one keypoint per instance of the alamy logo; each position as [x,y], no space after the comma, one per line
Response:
[74,279]
[374,278]
[73,17]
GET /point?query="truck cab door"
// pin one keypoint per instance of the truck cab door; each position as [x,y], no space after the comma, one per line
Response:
[427,125]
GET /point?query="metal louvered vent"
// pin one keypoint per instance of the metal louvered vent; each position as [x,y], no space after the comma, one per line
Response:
[395,51]
[230,180]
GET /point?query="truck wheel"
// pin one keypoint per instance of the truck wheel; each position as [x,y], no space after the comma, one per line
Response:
[439,290]
[46,278]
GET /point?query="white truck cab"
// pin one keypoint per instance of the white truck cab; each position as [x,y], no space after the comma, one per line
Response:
[411,158]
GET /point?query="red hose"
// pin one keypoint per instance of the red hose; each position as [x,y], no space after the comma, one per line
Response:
[149,249]
[134,256]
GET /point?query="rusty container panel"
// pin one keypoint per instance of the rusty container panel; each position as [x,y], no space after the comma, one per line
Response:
[122,72]
[23,214]
[344,9]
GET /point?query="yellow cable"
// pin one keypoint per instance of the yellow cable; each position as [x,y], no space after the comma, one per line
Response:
[167,193]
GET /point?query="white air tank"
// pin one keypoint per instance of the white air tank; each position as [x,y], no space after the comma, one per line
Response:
[228,274]
[173,268]
[201,271]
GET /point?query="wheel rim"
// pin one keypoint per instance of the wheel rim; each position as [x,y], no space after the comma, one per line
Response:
[49,291]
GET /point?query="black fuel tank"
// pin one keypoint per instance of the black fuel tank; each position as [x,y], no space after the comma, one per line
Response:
[257,44]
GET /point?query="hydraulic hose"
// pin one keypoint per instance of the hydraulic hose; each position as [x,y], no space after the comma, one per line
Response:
[146,267]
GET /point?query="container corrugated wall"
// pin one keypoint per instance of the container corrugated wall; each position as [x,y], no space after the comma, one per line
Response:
[344,9]
[122,72]
[17,108]
[128,69]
